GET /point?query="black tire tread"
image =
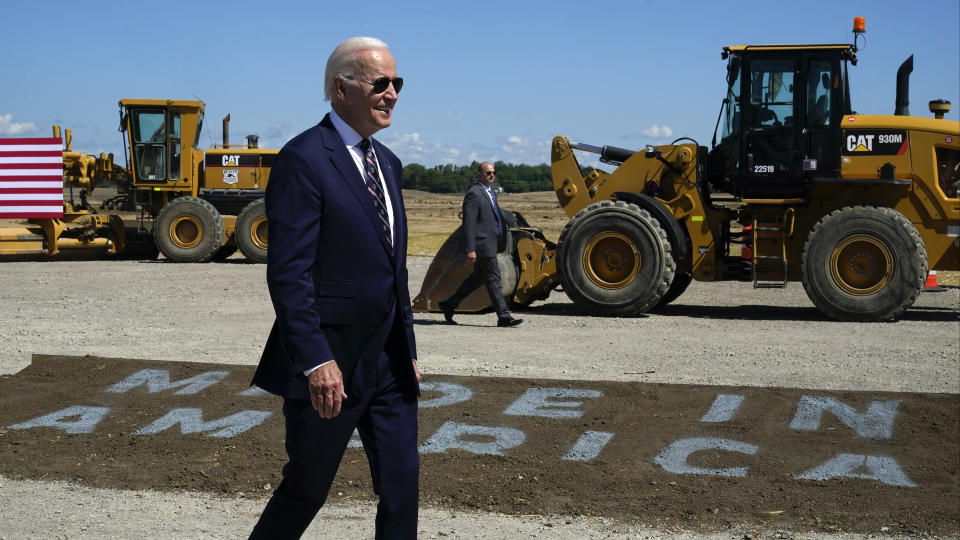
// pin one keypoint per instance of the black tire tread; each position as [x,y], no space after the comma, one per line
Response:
[250,250]
[204,251]
[630,211]
[893,218]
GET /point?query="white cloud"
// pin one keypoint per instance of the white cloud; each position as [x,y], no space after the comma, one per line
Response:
[657,132]
[277,135]
[8,127]
[412,148]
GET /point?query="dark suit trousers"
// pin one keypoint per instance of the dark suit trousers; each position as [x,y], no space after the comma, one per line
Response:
[385,415]
[486,272]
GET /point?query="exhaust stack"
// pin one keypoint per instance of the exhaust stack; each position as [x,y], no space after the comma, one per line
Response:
[903,87]
[226,131]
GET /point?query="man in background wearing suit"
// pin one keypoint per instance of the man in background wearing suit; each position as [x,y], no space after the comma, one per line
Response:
[484,231]
[341,352]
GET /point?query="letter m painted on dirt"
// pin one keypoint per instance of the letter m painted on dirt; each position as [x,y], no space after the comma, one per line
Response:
[191,421]
[158,380]
[876,423]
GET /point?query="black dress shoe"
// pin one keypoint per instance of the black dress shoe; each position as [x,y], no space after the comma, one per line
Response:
[447,312]
[508,321]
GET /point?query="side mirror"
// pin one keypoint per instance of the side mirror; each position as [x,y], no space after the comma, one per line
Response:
[651,151]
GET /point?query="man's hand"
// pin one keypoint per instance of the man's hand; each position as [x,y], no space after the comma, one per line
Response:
[326,390]
[471,257]
[416,371]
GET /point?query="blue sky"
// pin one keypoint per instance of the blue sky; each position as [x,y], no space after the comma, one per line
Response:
[485,81]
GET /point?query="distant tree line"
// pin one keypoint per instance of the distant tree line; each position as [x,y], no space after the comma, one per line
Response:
[514,178]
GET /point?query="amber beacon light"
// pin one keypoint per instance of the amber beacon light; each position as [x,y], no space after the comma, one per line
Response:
[859,25]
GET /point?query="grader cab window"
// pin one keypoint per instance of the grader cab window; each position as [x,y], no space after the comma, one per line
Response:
[156,135]
[173,140]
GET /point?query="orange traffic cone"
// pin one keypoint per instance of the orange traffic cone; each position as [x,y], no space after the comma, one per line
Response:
[931,283]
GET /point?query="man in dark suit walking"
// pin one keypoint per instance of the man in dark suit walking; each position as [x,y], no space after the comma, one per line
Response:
[484,231]
[342,352]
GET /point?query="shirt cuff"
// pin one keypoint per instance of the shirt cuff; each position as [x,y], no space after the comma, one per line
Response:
[307,372]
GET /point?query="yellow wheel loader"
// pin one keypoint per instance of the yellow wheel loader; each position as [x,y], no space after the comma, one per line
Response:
[189,204]
[800,187]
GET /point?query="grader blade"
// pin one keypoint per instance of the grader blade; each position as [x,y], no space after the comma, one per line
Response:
[448,270]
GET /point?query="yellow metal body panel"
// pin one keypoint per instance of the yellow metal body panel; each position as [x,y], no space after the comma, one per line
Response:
[538,270]
[237,168]
[21,241]
[229,226]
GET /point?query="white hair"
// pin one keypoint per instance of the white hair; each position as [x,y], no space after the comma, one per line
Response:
[343,60]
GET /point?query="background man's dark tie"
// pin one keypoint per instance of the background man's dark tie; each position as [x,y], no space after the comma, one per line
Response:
[496,208]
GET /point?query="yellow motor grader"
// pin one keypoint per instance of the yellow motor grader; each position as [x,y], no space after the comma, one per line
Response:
[189,204]
[798,188]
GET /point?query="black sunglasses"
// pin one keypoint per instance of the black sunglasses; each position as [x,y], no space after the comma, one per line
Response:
[380,84]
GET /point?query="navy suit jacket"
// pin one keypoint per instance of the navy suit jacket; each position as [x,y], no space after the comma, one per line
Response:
[480,223]
[338,289]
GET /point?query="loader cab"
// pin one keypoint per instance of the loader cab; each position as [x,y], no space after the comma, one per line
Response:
[156,131]
[781,120]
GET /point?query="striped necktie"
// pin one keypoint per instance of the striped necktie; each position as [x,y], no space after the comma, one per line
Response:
[372,178]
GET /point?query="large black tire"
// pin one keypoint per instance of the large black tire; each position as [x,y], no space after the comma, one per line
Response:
[614,259]
[680,283]
[681,249]
[188,230]
[251,231]
[863,263]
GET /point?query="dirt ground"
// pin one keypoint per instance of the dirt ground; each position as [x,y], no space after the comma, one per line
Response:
[657,376]
[625,480]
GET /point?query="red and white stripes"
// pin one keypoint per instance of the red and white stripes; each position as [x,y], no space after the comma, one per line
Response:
[31,178]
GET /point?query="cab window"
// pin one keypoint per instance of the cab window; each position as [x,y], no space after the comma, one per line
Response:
[771,93]
[819,86]
[150,139]
[173,140]
[731,124]
[948,171]
[149,126]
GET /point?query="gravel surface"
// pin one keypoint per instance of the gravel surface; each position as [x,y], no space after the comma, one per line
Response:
[716,333]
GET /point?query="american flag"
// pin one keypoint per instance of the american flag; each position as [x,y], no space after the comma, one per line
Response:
[31,178]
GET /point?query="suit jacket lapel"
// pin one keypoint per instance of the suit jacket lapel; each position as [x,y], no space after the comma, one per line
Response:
[343,162]
[486,198]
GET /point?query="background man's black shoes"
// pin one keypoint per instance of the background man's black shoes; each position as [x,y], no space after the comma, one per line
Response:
[447,312]
[508,321]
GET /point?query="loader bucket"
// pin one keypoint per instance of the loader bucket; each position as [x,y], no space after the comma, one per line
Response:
[448,270]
